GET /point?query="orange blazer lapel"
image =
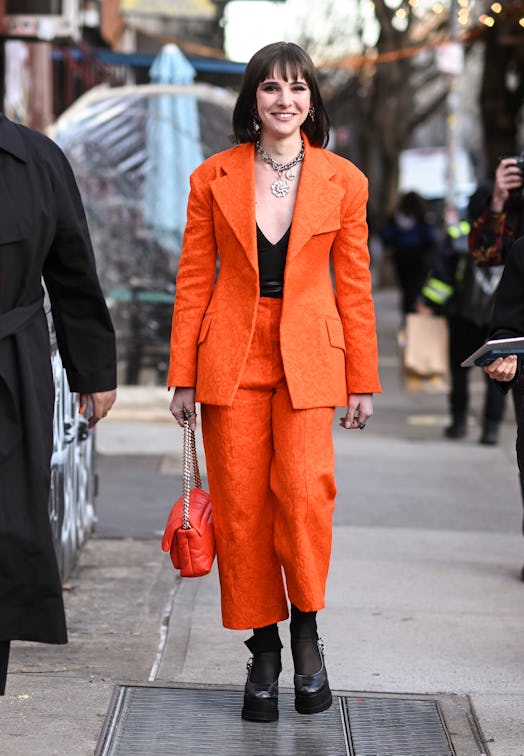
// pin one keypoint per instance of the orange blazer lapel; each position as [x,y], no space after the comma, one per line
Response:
[234,193]
[318,200]
[316,209]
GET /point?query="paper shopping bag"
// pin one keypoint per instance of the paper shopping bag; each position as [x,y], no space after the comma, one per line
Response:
[424,354]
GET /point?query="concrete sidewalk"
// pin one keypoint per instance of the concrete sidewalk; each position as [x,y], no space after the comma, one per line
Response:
[424,594]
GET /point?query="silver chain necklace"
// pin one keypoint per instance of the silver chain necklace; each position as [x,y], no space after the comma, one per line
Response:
[280,186]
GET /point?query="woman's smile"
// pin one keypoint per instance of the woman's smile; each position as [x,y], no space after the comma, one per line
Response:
[282,103]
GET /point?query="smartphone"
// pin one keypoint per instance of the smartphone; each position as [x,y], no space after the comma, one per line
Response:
[519,162]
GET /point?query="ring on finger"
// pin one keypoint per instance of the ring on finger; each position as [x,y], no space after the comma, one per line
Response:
[361,424]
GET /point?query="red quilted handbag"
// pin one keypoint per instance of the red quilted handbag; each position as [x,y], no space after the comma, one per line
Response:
[189,535]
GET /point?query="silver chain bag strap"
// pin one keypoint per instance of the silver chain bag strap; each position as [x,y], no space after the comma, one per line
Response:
[190,465]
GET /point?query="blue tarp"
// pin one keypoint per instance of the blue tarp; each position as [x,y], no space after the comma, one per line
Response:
[173,149]
[144,60]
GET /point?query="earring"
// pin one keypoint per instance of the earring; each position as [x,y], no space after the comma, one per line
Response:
[311,113]
[257,122]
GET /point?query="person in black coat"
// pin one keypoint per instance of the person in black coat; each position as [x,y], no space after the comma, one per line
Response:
[412,238]
[492,242]
[508,321]
[465,294]
[43,235]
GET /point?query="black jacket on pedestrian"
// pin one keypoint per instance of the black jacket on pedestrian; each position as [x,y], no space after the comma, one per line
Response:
[508,316]
[508,322]
[43,233]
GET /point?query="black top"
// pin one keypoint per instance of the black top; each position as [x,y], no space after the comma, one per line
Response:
[508,316]
[271,264]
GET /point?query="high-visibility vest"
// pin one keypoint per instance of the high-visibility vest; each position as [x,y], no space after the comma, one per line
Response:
[438,291]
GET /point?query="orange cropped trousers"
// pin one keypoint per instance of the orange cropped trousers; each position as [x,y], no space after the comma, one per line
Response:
[271,479]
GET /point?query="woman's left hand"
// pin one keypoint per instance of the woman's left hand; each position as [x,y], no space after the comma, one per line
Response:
[360,409]
[184,400]
[503,368]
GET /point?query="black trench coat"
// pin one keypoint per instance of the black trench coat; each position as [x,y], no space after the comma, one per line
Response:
[43,233]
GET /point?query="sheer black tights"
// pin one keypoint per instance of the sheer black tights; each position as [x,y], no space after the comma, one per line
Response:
[265,646]
[304,642]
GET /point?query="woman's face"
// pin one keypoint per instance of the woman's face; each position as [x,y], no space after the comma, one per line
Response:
[282,105]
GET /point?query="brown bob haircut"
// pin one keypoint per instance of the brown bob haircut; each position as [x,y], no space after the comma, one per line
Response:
[287,60]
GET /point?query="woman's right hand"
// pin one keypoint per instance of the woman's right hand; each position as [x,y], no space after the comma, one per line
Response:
[184,399]
[507,177]
[502,369]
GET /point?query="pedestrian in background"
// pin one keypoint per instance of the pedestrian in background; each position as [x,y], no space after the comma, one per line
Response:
[43,233]
[499,222]
[465,294]
[508,321]
[492,242]
[412,238]
[269,349]
[501,219]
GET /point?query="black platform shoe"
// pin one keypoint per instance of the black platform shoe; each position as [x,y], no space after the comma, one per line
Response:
[312,692]
[261,699]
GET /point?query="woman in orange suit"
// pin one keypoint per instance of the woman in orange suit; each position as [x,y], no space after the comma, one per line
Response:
[269,346]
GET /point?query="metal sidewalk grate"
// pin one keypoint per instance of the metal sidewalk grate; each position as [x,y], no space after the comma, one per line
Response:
[396,726]
[189,721]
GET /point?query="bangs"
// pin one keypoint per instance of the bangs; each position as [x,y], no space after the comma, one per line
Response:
[289,62]
[285,66]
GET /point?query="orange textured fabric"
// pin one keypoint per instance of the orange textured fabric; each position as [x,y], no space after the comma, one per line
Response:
[328,338]
[271,476]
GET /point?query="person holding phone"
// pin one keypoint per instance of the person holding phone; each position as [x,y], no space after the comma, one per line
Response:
[502,218]
[508,322]
[492,243]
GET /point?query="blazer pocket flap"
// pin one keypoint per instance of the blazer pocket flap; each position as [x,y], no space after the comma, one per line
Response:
[329,224]
[204,330]
[328,228]
[335,333]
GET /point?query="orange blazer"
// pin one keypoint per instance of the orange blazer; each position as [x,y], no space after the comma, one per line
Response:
[327,331]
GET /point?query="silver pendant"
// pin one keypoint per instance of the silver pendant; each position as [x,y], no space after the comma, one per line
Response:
[280,187]
[290,175]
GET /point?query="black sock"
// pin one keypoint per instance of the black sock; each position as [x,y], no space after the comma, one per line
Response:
[265,639]
[4,661]
[265,667]
[304,642]
[265,646]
